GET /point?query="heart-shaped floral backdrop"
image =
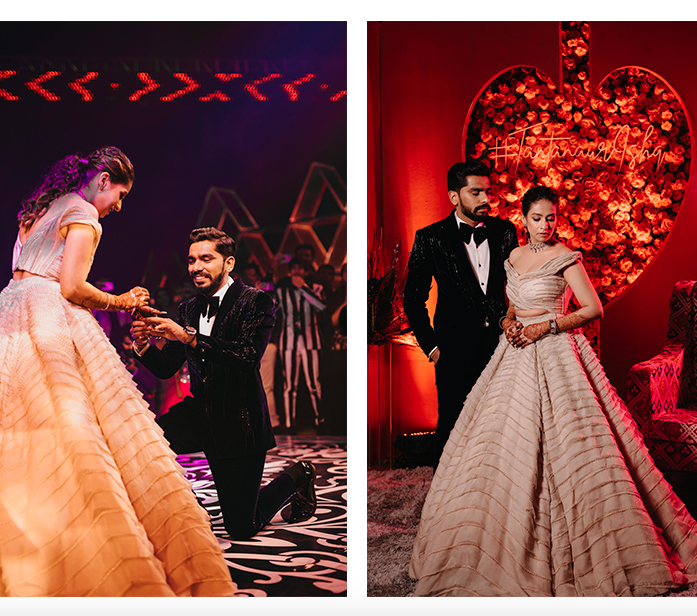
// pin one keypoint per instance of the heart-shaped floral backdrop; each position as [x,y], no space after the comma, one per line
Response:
[618,157]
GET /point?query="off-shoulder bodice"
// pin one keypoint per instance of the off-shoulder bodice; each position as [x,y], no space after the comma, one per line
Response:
[542,289]
[42,251]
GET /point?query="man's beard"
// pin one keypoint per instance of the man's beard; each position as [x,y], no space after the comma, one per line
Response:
[213,286]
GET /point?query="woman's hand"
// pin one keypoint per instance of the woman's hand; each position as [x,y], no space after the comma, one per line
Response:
[511,329]
[134,299]
[529,334]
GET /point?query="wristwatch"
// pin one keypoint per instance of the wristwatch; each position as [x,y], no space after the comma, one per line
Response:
[192,333]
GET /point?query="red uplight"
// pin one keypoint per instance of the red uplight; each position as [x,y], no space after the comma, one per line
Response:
[35,85]
[291,88]
[80,89]
[8,96]
[252,87]
[191,84]
[338,96]
[150,85]
[114,86]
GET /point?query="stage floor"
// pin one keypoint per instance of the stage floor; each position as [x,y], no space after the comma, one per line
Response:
[285,560]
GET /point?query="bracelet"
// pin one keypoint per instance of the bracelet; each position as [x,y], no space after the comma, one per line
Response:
[108,301]
[553,329]
[192,332]
[135,302]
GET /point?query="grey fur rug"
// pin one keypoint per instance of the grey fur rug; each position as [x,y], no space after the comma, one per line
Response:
[395,499]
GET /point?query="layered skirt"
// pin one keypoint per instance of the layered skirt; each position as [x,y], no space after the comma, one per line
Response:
[545,488]
[92,500]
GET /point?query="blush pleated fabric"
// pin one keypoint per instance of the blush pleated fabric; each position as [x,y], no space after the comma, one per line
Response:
[545,487]
[92,499]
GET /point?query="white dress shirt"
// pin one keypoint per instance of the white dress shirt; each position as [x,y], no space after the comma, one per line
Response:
[205,325]
[478,256]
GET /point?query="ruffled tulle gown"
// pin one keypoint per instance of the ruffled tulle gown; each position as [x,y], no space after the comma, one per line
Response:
[545,487]
[92,500]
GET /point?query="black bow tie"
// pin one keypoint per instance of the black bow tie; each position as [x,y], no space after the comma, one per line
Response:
[466,232]
[209,305]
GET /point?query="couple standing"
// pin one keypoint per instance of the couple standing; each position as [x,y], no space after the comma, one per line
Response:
[542,483]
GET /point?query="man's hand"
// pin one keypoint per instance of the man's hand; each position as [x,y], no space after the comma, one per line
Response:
[166,328]
[298,281]
[435,356]
[139,334]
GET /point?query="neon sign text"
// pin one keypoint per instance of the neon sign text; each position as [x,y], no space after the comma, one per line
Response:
[513,150]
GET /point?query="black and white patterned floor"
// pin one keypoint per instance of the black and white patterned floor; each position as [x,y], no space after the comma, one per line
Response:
[301,560]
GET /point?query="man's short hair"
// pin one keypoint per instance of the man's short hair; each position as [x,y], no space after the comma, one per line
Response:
[457,174]
[224,244]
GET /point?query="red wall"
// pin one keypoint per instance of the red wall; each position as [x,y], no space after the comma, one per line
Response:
[423,77]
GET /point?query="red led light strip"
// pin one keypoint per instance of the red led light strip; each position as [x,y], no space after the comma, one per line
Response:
[191,85]
[78,85]
[291,88]
[4,93]
[221,96]
[81,89]
[35,85]
[218,94]
[228,76]
[252,87]
[338,96]
[150,85]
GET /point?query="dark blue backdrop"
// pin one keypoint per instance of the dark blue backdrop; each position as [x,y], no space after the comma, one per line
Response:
[262,150]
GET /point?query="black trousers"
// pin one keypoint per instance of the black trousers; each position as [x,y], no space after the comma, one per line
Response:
[456,373]
[246,507]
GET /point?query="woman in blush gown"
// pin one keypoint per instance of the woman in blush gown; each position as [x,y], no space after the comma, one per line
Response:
[92,500]
[545,487]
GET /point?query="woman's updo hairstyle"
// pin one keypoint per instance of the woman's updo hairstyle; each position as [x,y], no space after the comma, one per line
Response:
[535,194]
[70,175]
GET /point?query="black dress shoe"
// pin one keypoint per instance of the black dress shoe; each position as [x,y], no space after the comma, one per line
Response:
[304,503]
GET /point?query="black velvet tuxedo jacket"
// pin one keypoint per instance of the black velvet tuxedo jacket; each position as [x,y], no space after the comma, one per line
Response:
[462,307]
[224,369]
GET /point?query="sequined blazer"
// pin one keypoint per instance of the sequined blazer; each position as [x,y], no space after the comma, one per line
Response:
[462,308]
[224,369]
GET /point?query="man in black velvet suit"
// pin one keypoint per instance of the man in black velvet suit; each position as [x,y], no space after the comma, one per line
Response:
[464,253]
[222,334]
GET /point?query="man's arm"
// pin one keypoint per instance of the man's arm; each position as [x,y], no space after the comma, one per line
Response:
[162,362]
[416,291]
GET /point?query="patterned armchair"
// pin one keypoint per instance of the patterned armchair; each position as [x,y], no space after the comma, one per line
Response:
[662,391]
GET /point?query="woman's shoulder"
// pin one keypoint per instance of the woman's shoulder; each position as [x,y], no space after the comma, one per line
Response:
[72,202]
[72,209]
[515,253]
[562,257]
[560,249]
